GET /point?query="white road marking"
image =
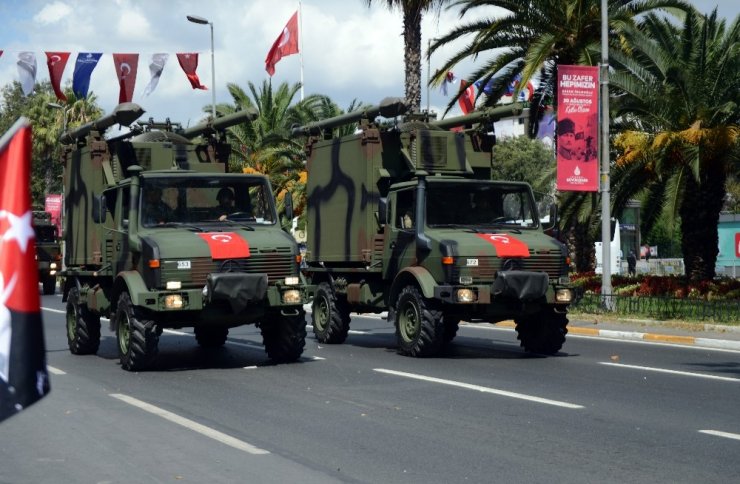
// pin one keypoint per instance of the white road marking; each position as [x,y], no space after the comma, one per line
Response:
[191,425]
[354,331]
[718,433]
[55,371]
[478,388]
[178,333]
[671,372]
[51,310]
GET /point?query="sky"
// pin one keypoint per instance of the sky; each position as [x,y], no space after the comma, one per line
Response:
[349,51]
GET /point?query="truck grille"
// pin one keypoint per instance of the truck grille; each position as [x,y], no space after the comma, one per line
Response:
[549,262]
[277,266]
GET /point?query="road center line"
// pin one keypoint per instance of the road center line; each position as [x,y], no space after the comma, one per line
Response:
[55,371]
[672,372]
[718,433]
[478,388]
[191,425]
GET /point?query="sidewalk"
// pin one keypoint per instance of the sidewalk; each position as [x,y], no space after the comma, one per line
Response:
[675,332]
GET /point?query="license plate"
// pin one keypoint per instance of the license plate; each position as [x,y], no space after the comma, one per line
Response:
[183,264]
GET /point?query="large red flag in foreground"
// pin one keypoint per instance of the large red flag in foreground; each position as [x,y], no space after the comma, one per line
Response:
[57,61]
[126,65]
[578,128]
[285,44]
[189,63]
[23,375]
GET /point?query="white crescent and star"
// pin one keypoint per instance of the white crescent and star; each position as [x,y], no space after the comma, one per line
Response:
[125,69]
[223,238]
[499,238]
[54,59]
[285,37]
[20,229]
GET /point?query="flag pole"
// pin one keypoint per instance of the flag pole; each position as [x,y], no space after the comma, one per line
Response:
[300,41]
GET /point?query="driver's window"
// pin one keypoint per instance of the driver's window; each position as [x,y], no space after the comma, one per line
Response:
[405,212]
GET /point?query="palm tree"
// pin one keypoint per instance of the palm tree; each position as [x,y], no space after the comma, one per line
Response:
[534,37]
[680,109]
[266,145]
[412,13]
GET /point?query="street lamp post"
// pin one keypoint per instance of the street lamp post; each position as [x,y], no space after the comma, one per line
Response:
[200,20]
[65,110]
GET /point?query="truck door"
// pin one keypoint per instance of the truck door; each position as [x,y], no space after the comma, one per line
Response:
[120,236]
[400,249]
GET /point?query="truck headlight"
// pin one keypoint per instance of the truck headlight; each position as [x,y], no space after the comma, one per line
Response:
[292,296]
[53,266]
[173,301]
[563,296]
[174,285]
[465,295]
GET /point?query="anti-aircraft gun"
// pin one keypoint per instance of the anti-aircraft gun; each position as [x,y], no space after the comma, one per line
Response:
[403,216]
[160,235]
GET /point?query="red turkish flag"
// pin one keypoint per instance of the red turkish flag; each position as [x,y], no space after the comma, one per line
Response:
[189,63]
[467,98]
[506,245]
[126,65]
[57,61]
[225,245]
[23,375]
[285,44]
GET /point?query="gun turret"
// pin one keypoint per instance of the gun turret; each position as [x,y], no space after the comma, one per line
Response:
[485,115]
[212,127]
[124,114]
[388,108]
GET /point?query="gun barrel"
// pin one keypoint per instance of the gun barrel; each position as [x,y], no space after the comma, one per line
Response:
[124,114]
[388,107]
[488,115]
[221,123]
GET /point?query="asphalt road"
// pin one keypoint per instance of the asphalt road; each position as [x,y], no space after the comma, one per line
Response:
[600,411]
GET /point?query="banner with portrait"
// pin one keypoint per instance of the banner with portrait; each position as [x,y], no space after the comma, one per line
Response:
[578,128]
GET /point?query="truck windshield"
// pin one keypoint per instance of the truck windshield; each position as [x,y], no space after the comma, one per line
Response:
[205,200]
[480,205]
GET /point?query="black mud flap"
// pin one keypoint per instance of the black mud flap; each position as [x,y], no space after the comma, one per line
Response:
[521,285]
[238,289]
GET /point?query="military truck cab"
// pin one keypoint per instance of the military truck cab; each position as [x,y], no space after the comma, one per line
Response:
[160,236]
[48,250]
[406,218]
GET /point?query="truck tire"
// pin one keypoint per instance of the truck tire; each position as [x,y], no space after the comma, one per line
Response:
[420,329]
[50,285]
[330,316]
[211,337]
[452,324]
[137,338]
[285,337]
[83,327]
[542,333]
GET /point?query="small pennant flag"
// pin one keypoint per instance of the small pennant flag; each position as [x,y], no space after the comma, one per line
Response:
[57,61]
[189,63]
[156,66]
[84,66]
[27,71]
[126,65]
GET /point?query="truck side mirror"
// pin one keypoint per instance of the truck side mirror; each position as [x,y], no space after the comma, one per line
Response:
[383,211]
[288,202]
[98,209]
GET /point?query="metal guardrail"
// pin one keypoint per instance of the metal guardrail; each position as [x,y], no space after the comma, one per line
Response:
[721,311]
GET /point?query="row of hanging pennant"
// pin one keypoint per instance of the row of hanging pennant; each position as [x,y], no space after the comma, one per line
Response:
[126,68]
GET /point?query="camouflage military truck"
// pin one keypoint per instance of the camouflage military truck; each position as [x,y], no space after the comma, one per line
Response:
[159,235]
[48,250]
[404,217]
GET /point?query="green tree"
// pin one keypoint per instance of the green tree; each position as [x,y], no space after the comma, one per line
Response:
[266,145]
[523,159]
[47,124]
[679,112]
[412,13]
[534,36]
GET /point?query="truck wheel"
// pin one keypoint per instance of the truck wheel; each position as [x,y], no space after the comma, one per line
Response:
[543,332]
[419,325]
[50,285]
[211,337]
[451,327]
[137,338]
[285,337]
[330,316]
[83,327]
